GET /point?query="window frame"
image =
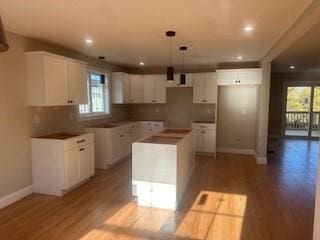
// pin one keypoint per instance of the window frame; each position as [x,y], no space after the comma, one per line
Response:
[106,97]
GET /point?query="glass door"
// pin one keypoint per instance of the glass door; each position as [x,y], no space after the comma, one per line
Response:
[315,126]
[298,108]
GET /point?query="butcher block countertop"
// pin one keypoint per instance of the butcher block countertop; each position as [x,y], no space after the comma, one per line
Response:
[167,136]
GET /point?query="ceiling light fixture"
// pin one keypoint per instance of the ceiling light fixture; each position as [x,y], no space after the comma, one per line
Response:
[240,57]
[248,28]
[3,41]
[141,63]
[102,76]
[183,74]
[89,41]
[292,67]
[170,69]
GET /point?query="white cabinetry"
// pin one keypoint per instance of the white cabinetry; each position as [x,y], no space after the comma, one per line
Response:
[204,88]
[176,81]
[55,80]
[251,76]
[59,165]
[154,88]
[120,87]
[113,142]
[150,127]
[205,137]
[136,88]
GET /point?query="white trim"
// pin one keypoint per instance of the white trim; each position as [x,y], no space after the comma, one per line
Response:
[14,197]
[236,150]
[261,160]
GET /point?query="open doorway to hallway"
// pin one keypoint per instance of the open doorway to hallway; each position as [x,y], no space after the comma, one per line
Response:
[302,111]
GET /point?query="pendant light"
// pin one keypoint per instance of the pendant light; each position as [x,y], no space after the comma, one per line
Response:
[3,41]
[170,69]
[183,74]
[102,76]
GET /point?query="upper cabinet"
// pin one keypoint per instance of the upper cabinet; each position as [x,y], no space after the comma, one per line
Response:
[204,88]
[135,88]
[154,88]
[176,81]
[120,87]
[55,80]
[251,76]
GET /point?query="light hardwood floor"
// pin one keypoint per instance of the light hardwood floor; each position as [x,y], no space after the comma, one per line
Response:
[228,198]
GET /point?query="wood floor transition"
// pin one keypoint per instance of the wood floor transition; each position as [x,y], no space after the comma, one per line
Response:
[228,198]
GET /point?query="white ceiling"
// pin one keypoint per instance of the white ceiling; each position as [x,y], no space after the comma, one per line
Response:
[304,54]
[130,31]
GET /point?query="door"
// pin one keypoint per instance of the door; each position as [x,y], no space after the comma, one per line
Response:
[159,88]
[315,128]
[148,88]
[86,158]
[136,88]
[77,83]
[72,168]
[298,108]
[210,88]
[56,80]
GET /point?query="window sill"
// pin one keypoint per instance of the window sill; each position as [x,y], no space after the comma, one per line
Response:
[90,117]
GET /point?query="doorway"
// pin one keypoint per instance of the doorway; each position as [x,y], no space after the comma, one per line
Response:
[302,111]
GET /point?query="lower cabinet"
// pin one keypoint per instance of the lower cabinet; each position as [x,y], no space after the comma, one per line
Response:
[151,127]
[60,165]
[205,138]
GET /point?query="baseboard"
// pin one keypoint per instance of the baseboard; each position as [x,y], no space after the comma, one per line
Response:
[261,160]
[14,197]
[236,150]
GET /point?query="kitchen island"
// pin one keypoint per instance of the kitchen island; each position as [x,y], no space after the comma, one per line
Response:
[162,164]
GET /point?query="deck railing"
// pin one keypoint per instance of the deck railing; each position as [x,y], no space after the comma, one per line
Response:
[300,120]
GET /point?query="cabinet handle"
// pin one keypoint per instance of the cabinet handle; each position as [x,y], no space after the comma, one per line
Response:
[203,132]
[204,100]
[121,136]
[202,126]
[81,141]
[154,101]
[81,149]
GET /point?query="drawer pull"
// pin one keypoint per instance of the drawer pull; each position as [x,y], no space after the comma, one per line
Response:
[81,141]
[202,126]
[81,149]
[121,136]
[204,100]
[203,132]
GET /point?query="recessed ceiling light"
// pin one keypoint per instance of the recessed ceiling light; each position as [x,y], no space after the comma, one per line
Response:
[89,41]
[240,57]
[248,28]
[141,63]
[292,67]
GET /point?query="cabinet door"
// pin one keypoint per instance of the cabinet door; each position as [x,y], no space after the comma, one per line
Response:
[210,88]
[249,76]
[209,141]
[227,77]
[72,168]
[198,88]
[56,80]
[77,83]
[126,87]
[124,144]
[115,138]
[136,88]
[86,157]
[148,89]
[160,89]
[145,128]
[199,136]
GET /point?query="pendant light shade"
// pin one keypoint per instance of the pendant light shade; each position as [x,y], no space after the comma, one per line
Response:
[102,76]
[170,69]
[3,41]
[183,74]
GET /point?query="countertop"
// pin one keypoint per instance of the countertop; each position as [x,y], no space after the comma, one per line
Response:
[170,136]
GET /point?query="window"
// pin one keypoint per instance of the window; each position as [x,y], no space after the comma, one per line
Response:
[98,95]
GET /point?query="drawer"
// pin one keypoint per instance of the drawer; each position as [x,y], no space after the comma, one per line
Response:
[78,141]
[203,125]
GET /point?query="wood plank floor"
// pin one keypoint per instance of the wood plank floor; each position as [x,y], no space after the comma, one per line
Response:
[228,198]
